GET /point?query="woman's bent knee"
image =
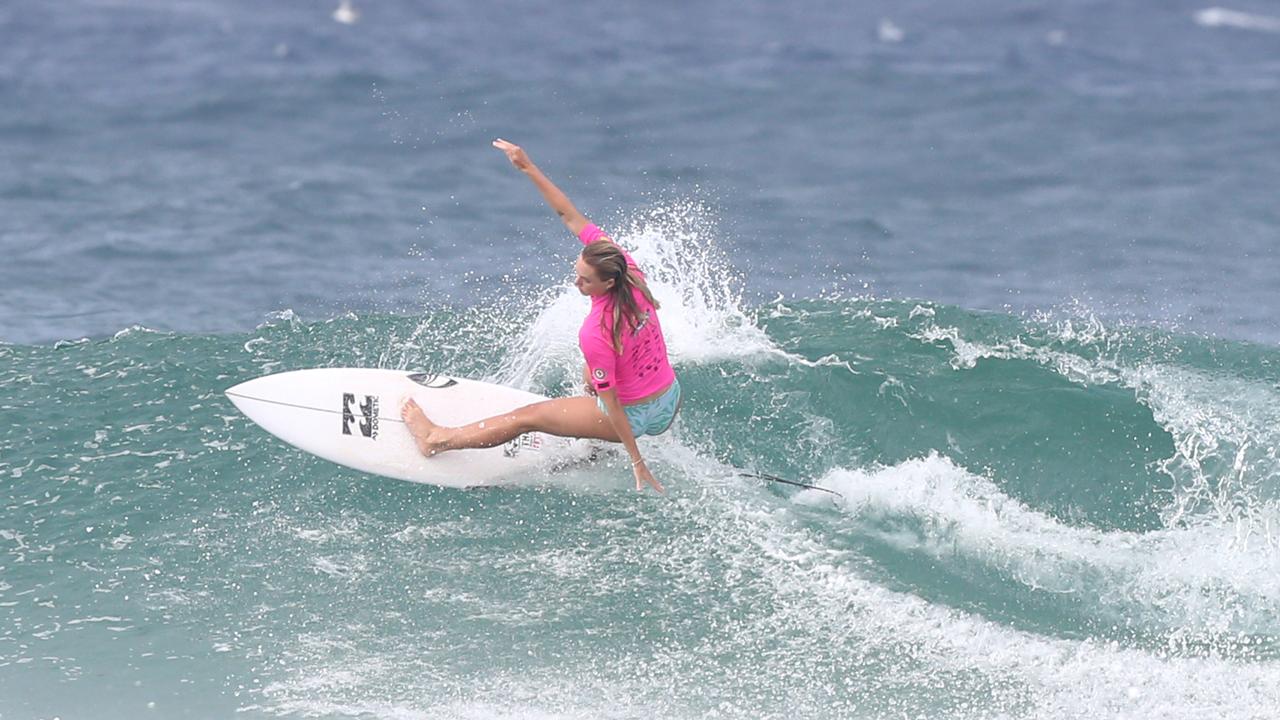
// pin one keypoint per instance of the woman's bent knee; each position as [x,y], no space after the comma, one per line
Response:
[538,417]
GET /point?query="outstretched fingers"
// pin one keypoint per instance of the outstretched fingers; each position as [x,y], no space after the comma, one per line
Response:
[514,153]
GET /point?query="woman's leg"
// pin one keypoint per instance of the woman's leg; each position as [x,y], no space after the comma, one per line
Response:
[568,417]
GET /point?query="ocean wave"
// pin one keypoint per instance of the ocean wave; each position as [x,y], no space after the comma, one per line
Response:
[1041,516]
[1192,589]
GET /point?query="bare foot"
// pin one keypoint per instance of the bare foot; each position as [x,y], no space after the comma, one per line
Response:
[425,433]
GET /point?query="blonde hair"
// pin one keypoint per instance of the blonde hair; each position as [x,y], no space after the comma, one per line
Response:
[607,260]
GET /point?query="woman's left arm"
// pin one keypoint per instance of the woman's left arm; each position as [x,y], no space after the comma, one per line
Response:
[618,417]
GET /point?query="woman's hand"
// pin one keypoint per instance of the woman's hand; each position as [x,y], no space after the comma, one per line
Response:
[554,196]
[515,154]
[644,476]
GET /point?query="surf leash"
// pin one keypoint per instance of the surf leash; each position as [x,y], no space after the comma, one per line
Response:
[784,481]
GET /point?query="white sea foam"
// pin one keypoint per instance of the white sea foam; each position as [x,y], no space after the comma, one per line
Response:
[102,619]
[702,312]
[826,592]
[1192,584]
[346,13]
[1055,677]
[346,569]
[1216,17]
[1208,574]
[1225,429]
[888,32]
[548,345]
[801,629]
[136,330]
[694,281]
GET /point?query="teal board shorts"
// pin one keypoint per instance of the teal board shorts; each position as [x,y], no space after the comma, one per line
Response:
[654,417]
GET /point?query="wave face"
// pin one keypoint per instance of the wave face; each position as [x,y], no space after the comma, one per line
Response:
[1038,516]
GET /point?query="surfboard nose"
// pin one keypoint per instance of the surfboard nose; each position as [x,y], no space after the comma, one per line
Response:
[248,388]
[239,395]
[250,396]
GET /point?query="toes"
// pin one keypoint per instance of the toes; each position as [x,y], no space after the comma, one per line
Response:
[407,408]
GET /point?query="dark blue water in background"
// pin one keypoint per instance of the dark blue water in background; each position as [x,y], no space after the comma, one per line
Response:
[192,166]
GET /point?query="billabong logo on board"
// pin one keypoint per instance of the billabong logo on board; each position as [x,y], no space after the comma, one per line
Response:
[368,409]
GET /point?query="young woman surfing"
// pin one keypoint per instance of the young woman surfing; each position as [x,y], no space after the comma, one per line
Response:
[627,368]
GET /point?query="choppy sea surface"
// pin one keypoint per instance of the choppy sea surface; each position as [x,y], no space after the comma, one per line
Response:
[1000,275]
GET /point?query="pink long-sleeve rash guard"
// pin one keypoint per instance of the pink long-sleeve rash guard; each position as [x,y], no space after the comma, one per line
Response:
[643,368]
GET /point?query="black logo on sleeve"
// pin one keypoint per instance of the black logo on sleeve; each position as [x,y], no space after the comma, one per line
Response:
[369,415]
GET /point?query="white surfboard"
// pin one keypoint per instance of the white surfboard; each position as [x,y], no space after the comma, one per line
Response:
[351,416]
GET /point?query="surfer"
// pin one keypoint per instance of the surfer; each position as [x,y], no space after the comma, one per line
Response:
[627,369]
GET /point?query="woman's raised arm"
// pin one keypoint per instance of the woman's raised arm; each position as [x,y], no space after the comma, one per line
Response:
[554,196]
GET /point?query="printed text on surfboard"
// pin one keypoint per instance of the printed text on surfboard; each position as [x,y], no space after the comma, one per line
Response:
[368,409]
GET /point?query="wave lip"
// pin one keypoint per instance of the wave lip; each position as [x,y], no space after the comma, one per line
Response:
[702,312]
[1217,403]
[1193,588]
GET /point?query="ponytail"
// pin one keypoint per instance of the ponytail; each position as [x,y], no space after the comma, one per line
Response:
[610,264]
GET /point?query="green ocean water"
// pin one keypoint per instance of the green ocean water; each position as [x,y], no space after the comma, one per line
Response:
[1038,517]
